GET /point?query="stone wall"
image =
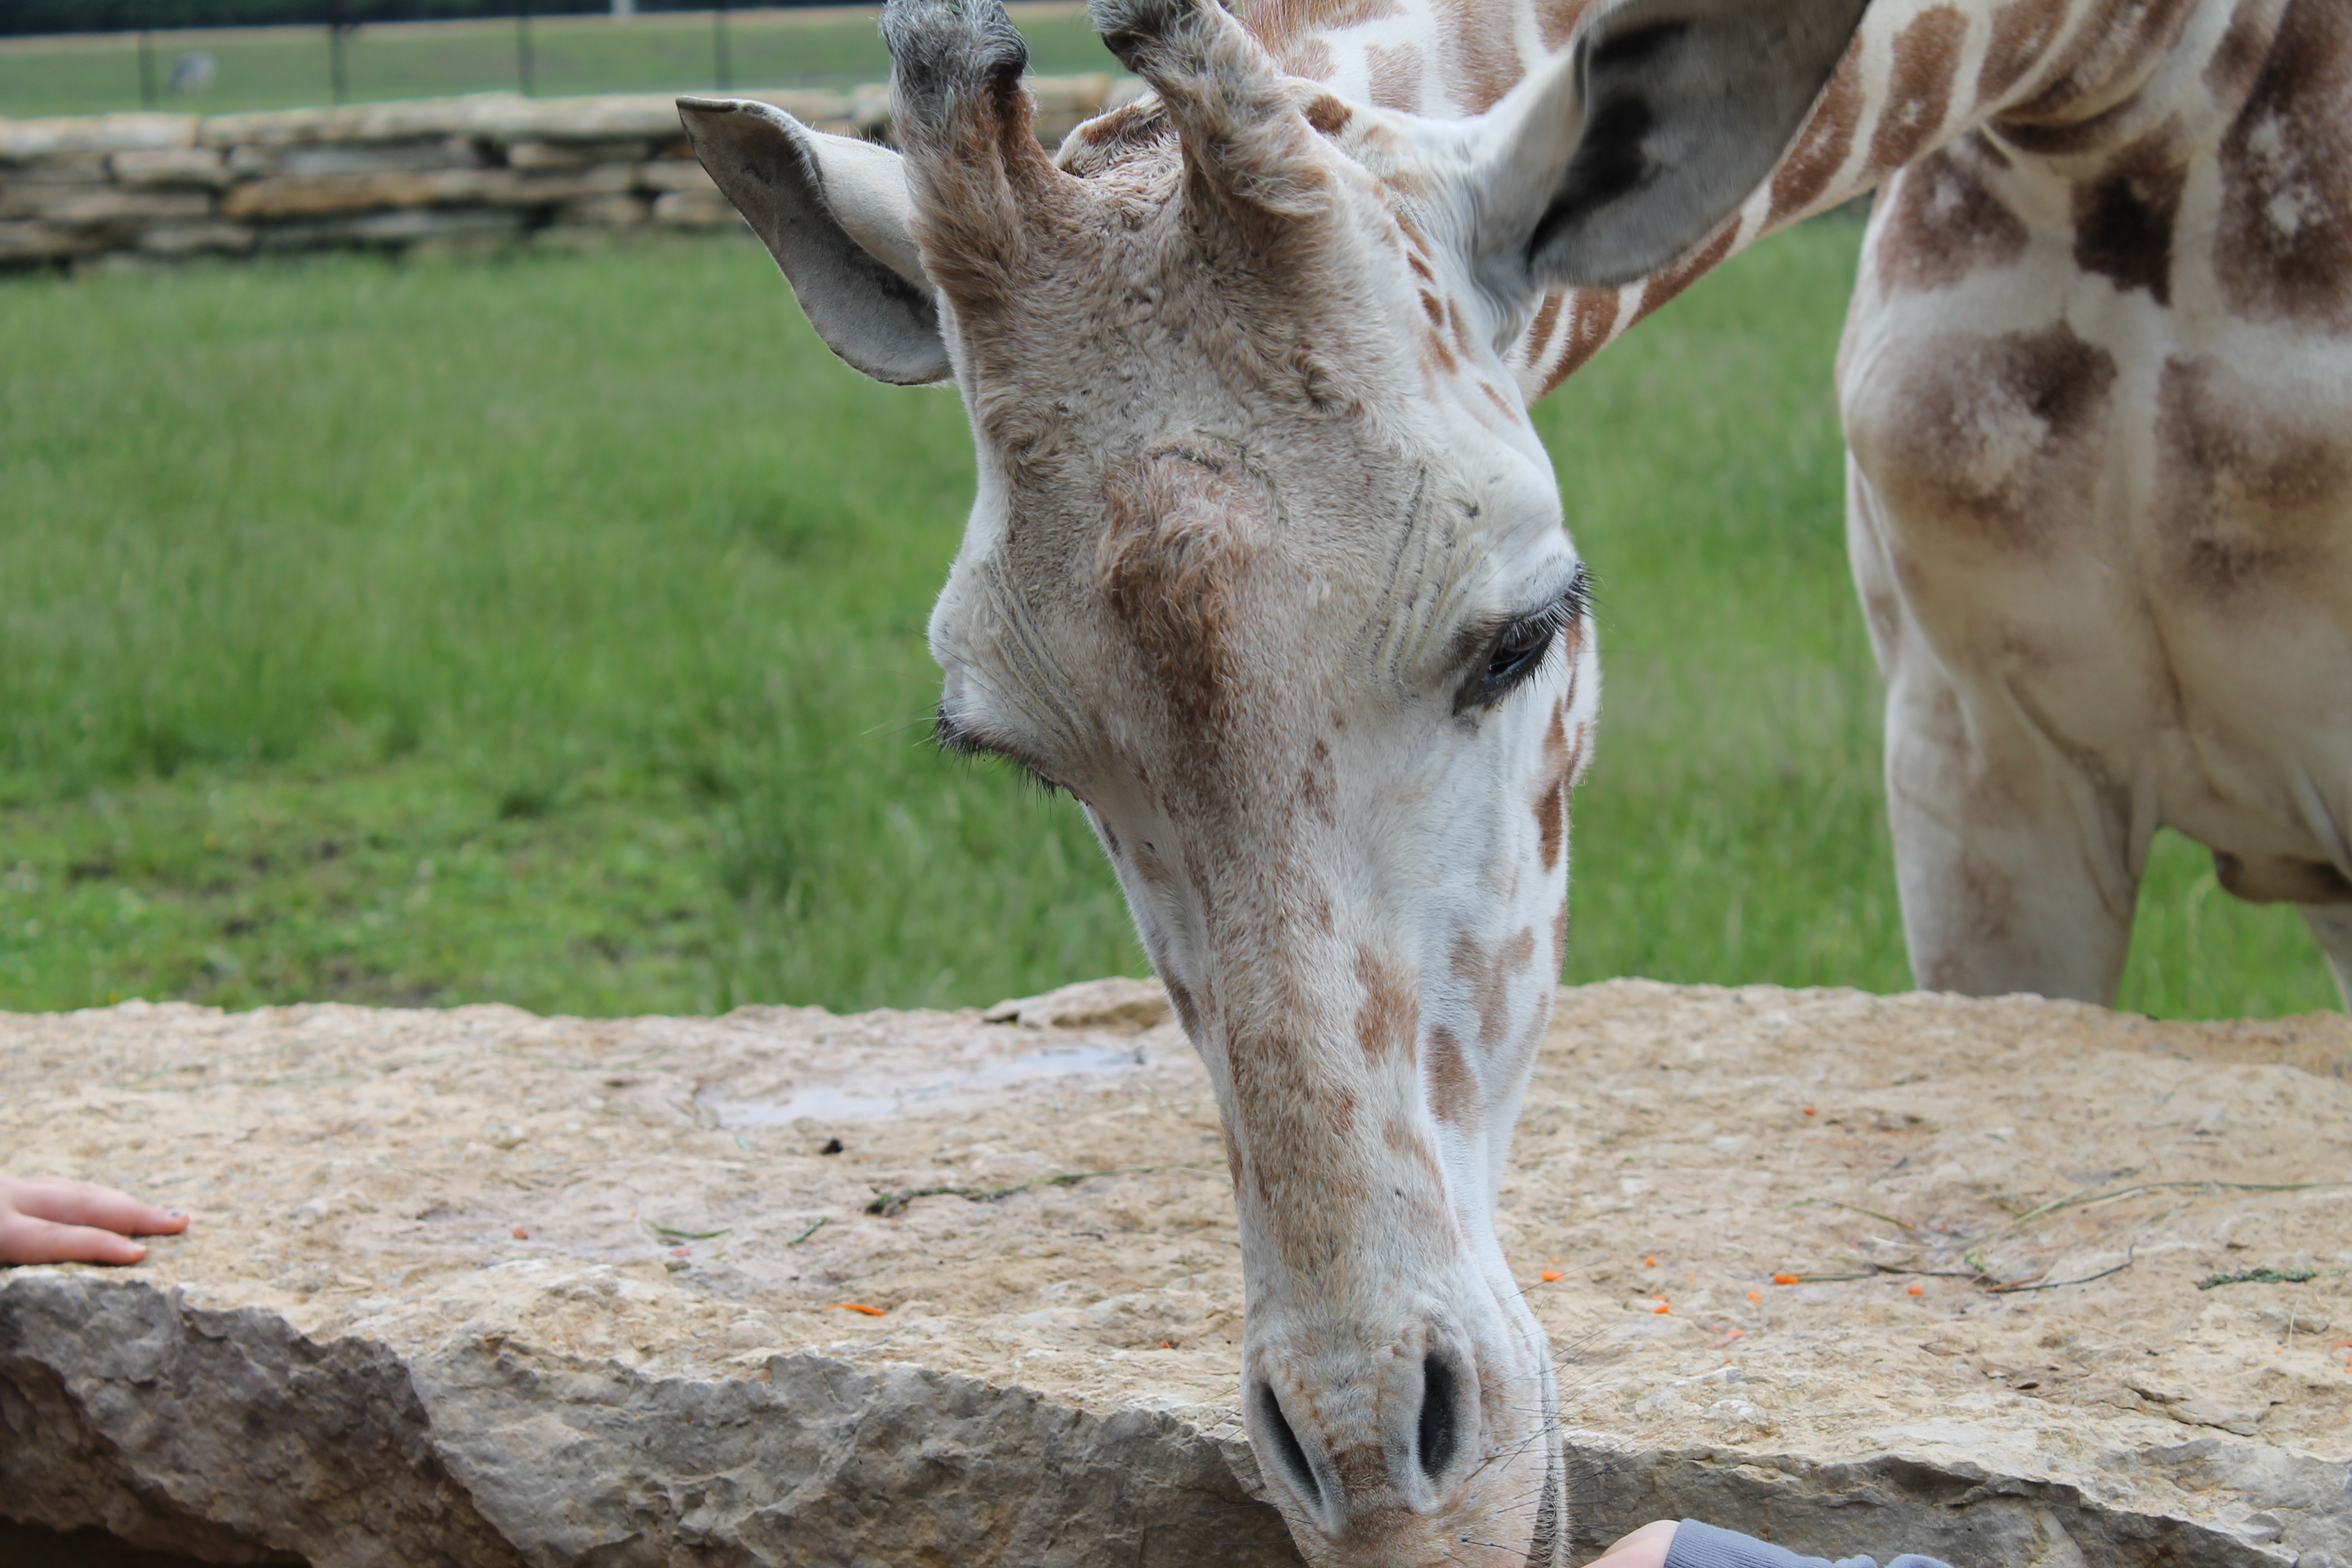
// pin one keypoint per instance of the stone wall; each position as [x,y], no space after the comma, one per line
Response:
[464,174]
[2022,1284]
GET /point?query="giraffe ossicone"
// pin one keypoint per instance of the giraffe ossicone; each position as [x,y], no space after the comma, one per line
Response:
[1266,566]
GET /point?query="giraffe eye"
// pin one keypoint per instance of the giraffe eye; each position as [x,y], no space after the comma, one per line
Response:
[1517,650]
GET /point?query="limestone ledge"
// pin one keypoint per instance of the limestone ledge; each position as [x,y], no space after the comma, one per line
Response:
[478,1287]
[486,170]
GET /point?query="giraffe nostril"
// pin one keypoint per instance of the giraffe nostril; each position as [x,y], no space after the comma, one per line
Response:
[1286,1448]
[1438,1434]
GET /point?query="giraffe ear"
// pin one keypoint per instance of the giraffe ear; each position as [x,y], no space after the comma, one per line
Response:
[835,214]
[1657,121]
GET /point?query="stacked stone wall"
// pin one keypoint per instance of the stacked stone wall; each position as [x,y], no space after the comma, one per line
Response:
[484,171]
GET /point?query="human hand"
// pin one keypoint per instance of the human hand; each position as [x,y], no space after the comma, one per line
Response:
[50,1220]
[1645,1548]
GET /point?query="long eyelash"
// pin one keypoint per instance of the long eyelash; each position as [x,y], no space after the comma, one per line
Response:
[958,741]
[1573,602]
[1544,623]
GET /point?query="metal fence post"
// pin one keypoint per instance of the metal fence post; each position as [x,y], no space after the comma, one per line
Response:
[718,46]
[145,16]
[338,27]
[526,71]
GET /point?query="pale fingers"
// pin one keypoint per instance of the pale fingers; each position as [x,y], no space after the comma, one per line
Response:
[71,1203]
[24,1238]
[1645,1547]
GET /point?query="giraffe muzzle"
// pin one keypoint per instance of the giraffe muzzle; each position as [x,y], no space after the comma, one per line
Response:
[1408,1450]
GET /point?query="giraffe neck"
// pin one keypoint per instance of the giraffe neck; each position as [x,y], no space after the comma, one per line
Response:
[1919,75]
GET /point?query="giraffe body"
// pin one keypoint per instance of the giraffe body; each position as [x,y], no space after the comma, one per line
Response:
[2097,386]
[1267,568]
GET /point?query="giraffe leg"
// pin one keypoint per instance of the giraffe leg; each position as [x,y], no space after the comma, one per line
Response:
[2331,925]
[2015,863]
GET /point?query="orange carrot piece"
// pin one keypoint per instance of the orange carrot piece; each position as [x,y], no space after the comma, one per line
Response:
[1550,1275]
[1756,1295]
[858,1307]
[1786,1278]
[1729,1336]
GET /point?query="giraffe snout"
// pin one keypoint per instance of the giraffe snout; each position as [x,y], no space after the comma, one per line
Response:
[1338,1473]
[1388,1458]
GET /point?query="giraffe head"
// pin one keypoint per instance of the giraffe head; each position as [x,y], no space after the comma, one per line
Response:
[1268,569]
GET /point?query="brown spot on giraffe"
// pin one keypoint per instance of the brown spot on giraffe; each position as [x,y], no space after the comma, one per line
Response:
[2285,248]
[1920,90]
[1279,23]
[1489,976]
[1433,308]
[1551,802]
[1440,353]
[1479,57]
[1460,326]
[1509,410]
[1395,72]
[2251,493]
[1312,59]
[2021,35]
[1183,530]
[1557,21]
[1540,329]
[1665,285]
[2123,220]
[1316,784]
[1551,822]
[1822,145]
[1943,223]
[1389,1022]
[1591,319]
[1452,1087]
[1997,436]
[2230,72]
[1329,115]
[2127,34]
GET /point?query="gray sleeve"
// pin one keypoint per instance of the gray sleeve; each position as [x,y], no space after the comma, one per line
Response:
[1700,1545]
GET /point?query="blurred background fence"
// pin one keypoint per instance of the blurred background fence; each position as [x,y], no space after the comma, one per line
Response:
[208,57]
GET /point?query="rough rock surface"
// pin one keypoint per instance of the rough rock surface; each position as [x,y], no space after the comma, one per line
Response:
[476,1287]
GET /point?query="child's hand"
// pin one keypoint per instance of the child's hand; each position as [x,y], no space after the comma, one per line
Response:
[1645,1548]
[54,1221]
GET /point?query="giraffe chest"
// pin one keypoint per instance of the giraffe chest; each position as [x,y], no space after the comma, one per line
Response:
[2127,499]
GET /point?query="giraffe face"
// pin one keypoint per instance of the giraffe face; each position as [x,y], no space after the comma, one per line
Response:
[1266,568]
[1269,574]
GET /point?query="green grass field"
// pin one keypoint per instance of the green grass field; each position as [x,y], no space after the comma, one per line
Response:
[548,631]
[287,67]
